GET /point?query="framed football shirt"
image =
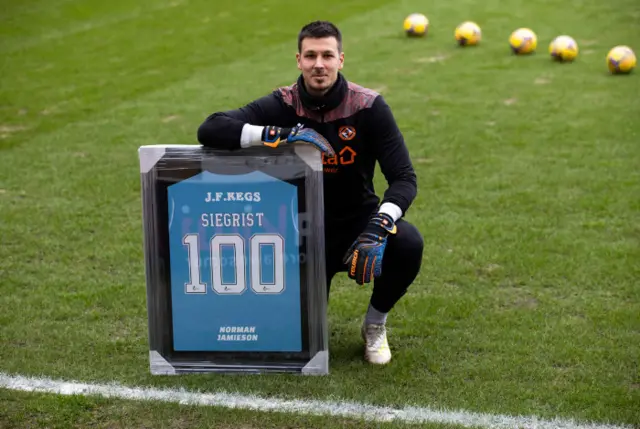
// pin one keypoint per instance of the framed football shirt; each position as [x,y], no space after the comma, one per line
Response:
[234,251]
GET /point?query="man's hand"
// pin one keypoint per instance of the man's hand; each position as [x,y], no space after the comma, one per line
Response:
[273,136]
[364,257]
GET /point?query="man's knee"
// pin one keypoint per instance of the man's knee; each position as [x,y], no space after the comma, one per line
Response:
[408,239]
[401,265]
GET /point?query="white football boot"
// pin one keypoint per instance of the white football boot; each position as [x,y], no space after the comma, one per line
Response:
[376,346]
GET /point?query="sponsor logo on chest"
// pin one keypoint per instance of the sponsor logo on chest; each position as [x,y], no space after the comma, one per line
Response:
[346,155]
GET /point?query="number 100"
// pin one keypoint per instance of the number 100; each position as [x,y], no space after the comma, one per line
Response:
[239,283]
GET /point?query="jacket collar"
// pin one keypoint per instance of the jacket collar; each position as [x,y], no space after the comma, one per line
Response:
[328,101]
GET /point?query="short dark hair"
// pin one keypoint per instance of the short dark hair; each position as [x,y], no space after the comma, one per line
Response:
[318,30]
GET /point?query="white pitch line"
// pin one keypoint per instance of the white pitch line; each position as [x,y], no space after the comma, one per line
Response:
[352,410]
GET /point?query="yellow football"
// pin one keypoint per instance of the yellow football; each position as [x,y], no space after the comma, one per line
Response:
[416,24]
[523,41]
[563,48]
[468,34]
[621,59]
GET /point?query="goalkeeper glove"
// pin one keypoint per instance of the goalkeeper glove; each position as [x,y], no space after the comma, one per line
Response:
[272,136]
[364,257]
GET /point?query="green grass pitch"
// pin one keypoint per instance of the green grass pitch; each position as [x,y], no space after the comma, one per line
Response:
[528,301]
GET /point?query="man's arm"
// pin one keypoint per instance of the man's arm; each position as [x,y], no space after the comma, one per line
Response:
[226,130]
[395,163]
[256,124]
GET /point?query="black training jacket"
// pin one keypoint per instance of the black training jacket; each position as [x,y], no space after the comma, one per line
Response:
[359,125]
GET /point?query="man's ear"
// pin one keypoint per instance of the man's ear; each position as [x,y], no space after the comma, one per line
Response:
[341,61]
[298,61]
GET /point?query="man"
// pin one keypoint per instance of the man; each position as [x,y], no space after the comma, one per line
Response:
[353,127]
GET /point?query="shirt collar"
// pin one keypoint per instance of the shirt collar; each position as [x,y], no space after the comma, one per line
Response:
[326,102]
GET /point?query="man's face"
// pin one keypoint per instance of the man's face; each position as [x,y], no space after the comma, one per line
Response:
[319,60]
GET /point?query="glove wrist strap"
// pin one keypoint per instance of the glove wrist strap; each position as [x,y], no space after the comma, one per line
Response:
[381,223]
[272,136]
